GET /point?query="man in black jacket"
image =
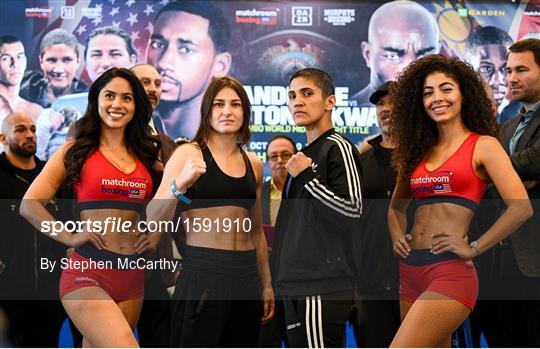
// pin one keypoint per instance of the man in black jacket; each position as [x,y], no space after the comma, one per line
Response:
[319,212]
[377,303]
[518,257]
[28,294]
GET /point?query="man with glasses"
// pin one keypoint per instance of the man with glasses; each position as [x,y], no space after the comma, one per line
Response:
[279,150]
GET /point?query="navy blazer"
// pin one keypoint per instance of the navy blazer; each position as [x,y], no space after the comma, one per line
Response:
[526,162]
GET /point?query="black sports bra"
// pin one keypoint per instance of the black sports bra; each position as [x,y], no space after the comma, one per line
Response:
[216,188]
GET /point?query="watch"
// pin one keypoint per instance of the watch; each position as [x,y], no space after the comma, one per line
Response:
[475,246]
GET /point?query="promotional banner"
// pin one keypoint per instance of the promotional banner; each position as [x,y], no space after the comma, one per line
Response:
[262,43]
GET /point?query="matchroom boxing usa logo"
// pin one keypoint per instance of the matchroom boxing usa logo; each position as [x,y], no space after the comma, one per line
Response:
[437,183]
[132,188]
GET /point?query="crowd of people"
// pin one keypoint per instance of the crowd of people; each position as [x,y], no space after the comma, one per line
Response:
[421,227]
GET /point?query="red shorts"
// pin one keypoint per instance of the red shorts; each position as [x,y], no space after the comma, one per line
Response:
[119,284]
[446,274]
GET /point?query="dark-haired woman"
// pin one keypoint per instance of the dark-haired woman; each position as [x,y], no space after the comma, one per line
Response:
[217,300]
[109,164]
[447,152]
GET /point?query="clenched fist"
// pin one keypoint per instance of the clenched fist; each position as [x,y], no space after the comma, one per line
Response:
[193,169]
[298,163]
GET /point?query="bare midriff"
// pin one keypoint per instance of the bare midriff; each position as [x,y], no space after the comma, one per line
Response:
[116,238]
[439,218]
[223,227]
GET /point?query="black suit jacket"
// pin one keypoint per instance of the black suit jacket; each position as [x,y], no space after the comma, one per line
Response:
[265,202]
[526,162]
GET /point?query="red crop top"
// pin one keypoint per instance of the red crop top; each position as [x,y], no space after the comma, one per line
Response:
[454,181]
[102,185]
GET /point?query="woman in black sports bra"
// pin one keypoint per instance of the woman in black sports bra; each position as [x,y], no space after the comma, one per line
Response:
[217,186]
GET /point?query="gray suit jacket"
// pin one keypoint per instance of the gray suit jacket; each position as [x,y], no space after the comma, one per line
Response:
[526,162]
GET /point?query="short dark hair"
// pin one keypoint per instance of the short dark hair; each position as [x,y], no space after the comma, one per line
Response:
[489,35]
[59,36]
[280,136]
[531,44]
[218,28]
[112,30]
[8,39]
[322,79]
[218,84]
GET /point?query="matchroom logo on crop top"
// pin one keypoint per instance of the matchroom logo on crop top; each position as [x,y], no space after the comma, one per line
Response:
[436,183]
[132,188]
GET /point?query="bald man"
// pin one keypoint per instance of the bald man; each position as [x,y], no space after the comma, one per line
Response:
[399,33]
[12,68]
[151,81]
[29,295]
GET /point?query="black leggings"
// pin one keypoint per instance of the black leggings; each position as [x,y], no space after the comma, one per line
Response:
[217,300]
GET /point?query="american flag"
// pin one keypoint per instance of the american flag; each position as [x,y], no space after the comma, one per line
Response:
[442,188]
[137,193]
[81,17]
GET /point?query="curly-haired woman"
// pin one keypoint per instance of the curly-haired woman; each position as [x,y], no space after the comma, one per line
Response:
[447,153]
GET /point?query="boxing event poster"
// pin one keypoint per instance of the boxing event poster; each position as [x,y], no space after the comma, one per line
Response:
[270,40]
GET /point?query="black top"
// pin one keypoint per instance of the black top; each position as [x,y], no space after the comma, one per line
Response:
[34,88]
[216,188]
[313,250]
[22,246]
[378,269]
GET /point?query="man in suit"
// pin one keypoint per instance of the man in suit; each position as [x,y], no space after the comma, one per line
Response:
[518,258]
[279,150]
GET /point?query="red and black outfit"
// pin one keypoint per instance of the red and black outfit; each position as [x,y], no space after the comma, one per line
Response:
[103,186]
[453,182]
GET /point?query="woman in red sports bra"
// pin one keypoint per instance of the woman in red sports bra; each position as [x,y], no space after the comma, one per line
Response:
[109,165]
[224,289]
[447,153]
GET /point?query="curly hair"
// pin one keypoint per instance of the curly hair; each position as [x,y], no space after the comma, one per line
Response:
[138,138]
[414,130]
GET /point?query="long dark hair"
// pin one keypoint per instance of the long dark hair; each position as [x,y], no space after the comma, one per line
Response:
[138,138]
[415,131]
[218,84]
